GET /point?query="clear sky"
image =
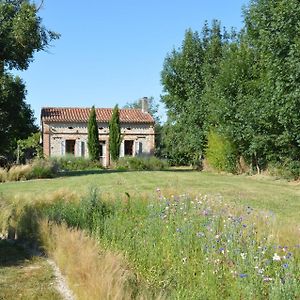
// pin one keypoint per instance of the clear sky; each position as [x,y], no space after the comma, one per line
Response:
[112,52]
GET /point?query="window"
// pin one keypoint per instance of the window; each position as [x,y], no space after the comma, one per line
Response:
[70,147]
[102,148]
[128,148]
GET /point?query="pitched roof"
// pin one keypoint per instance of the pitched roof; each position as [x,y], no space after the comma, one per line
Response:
[76,114]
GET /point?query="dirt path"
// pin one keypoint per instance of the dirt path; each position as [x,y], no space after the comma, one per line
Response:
[26,275]
[61,284]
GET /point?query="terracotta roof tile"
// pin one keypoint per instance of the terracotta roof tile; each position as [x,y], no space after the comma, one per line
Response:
[68,114]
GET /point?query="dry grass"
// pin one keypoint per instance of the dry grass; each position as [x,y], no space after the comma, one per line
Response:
[19,172]
[3,175]
[91,273]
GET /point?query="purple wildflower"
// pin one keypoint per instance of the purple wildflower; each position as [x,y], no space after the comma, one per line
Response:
[243,275]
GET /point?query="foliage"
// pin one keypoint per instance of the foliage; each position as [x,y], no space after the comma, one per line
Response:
[140,163]
[30,147]
[115,135]
[39,168]
[16,117]
[71,163]
[186,247]
[243,84]
[221,153]
[22,34]
[42,168]
[93,136]
[289,169]
[187,74]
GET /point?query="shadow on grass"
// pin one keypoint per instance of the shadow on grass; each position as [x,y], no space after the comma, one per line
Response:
[12,254]
[109,171]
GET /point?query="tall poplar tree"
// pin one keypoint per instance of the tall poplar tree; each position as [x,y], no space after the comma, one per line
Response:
[115,134]
[93,138]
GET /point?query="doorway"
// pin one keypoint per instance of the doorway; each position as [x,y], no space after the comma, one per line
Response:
[70,147]
[128,148]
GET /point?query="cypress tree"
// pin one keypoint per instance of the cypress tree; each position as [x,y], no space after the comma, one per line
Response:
[114,134]
[93,138]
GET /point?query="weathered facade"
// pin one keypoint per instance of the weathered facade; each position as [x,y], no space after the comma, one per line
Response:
[64,131]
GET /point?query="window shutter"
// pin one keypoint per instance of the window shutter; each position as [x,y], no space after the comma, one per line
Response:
[63,147]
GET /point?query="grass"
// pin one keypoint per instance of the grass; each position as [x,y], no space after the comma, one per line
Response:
[278,196]
[181,232]
[23,276]
[182,247]
[92,271]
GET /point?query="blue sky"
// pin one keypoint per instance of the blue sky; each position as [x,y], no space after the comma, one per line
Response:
[112,52]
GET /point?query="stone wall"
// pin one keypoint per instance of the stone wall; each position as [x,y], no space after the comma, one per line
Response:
[55,136]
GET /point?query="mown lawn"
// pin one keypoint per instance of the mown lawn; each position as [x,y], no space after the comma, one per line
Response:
[278,196]
[23,276]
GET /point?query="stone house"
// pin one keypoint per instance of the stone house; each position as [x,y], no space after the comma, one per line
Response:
[64,131]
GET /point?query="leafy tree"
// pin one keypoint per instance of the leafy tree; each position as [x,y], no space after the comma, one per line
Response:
[21,35]
[16,117]
[187,74]
[93,137]
[273,32]
[115,135]
[30,147]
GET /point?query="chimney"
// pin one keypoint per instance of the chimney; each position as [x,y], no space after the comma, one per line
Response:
[144,104]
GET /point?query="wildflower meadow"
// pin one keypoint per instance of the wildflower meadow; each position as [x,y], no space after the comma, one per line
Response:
[187,247]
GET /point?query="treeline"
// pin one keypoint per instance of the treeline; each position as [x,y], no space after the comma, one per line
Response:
[234,97]
[22,34]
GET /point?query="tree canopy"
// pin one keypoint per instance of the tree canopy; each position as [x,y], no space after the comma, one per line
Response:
[242,85]
[21,35]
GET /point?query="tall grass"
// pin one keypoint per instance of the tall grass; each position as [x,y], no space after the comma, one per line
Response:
[182,247]
[92,273]
[202,248]
[39,168]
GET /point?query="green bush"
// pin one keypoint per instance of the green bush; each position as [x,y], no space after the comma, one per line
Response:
[221,153]
[72,163]
[289,169]
[42,168]
[141,163]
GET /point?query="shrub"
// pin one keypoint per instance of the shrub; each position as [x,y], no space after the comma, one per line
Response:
[140,163]
[289,169]
[42,168]
[221,153]
[19,172]
[3,175]
[71,163]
